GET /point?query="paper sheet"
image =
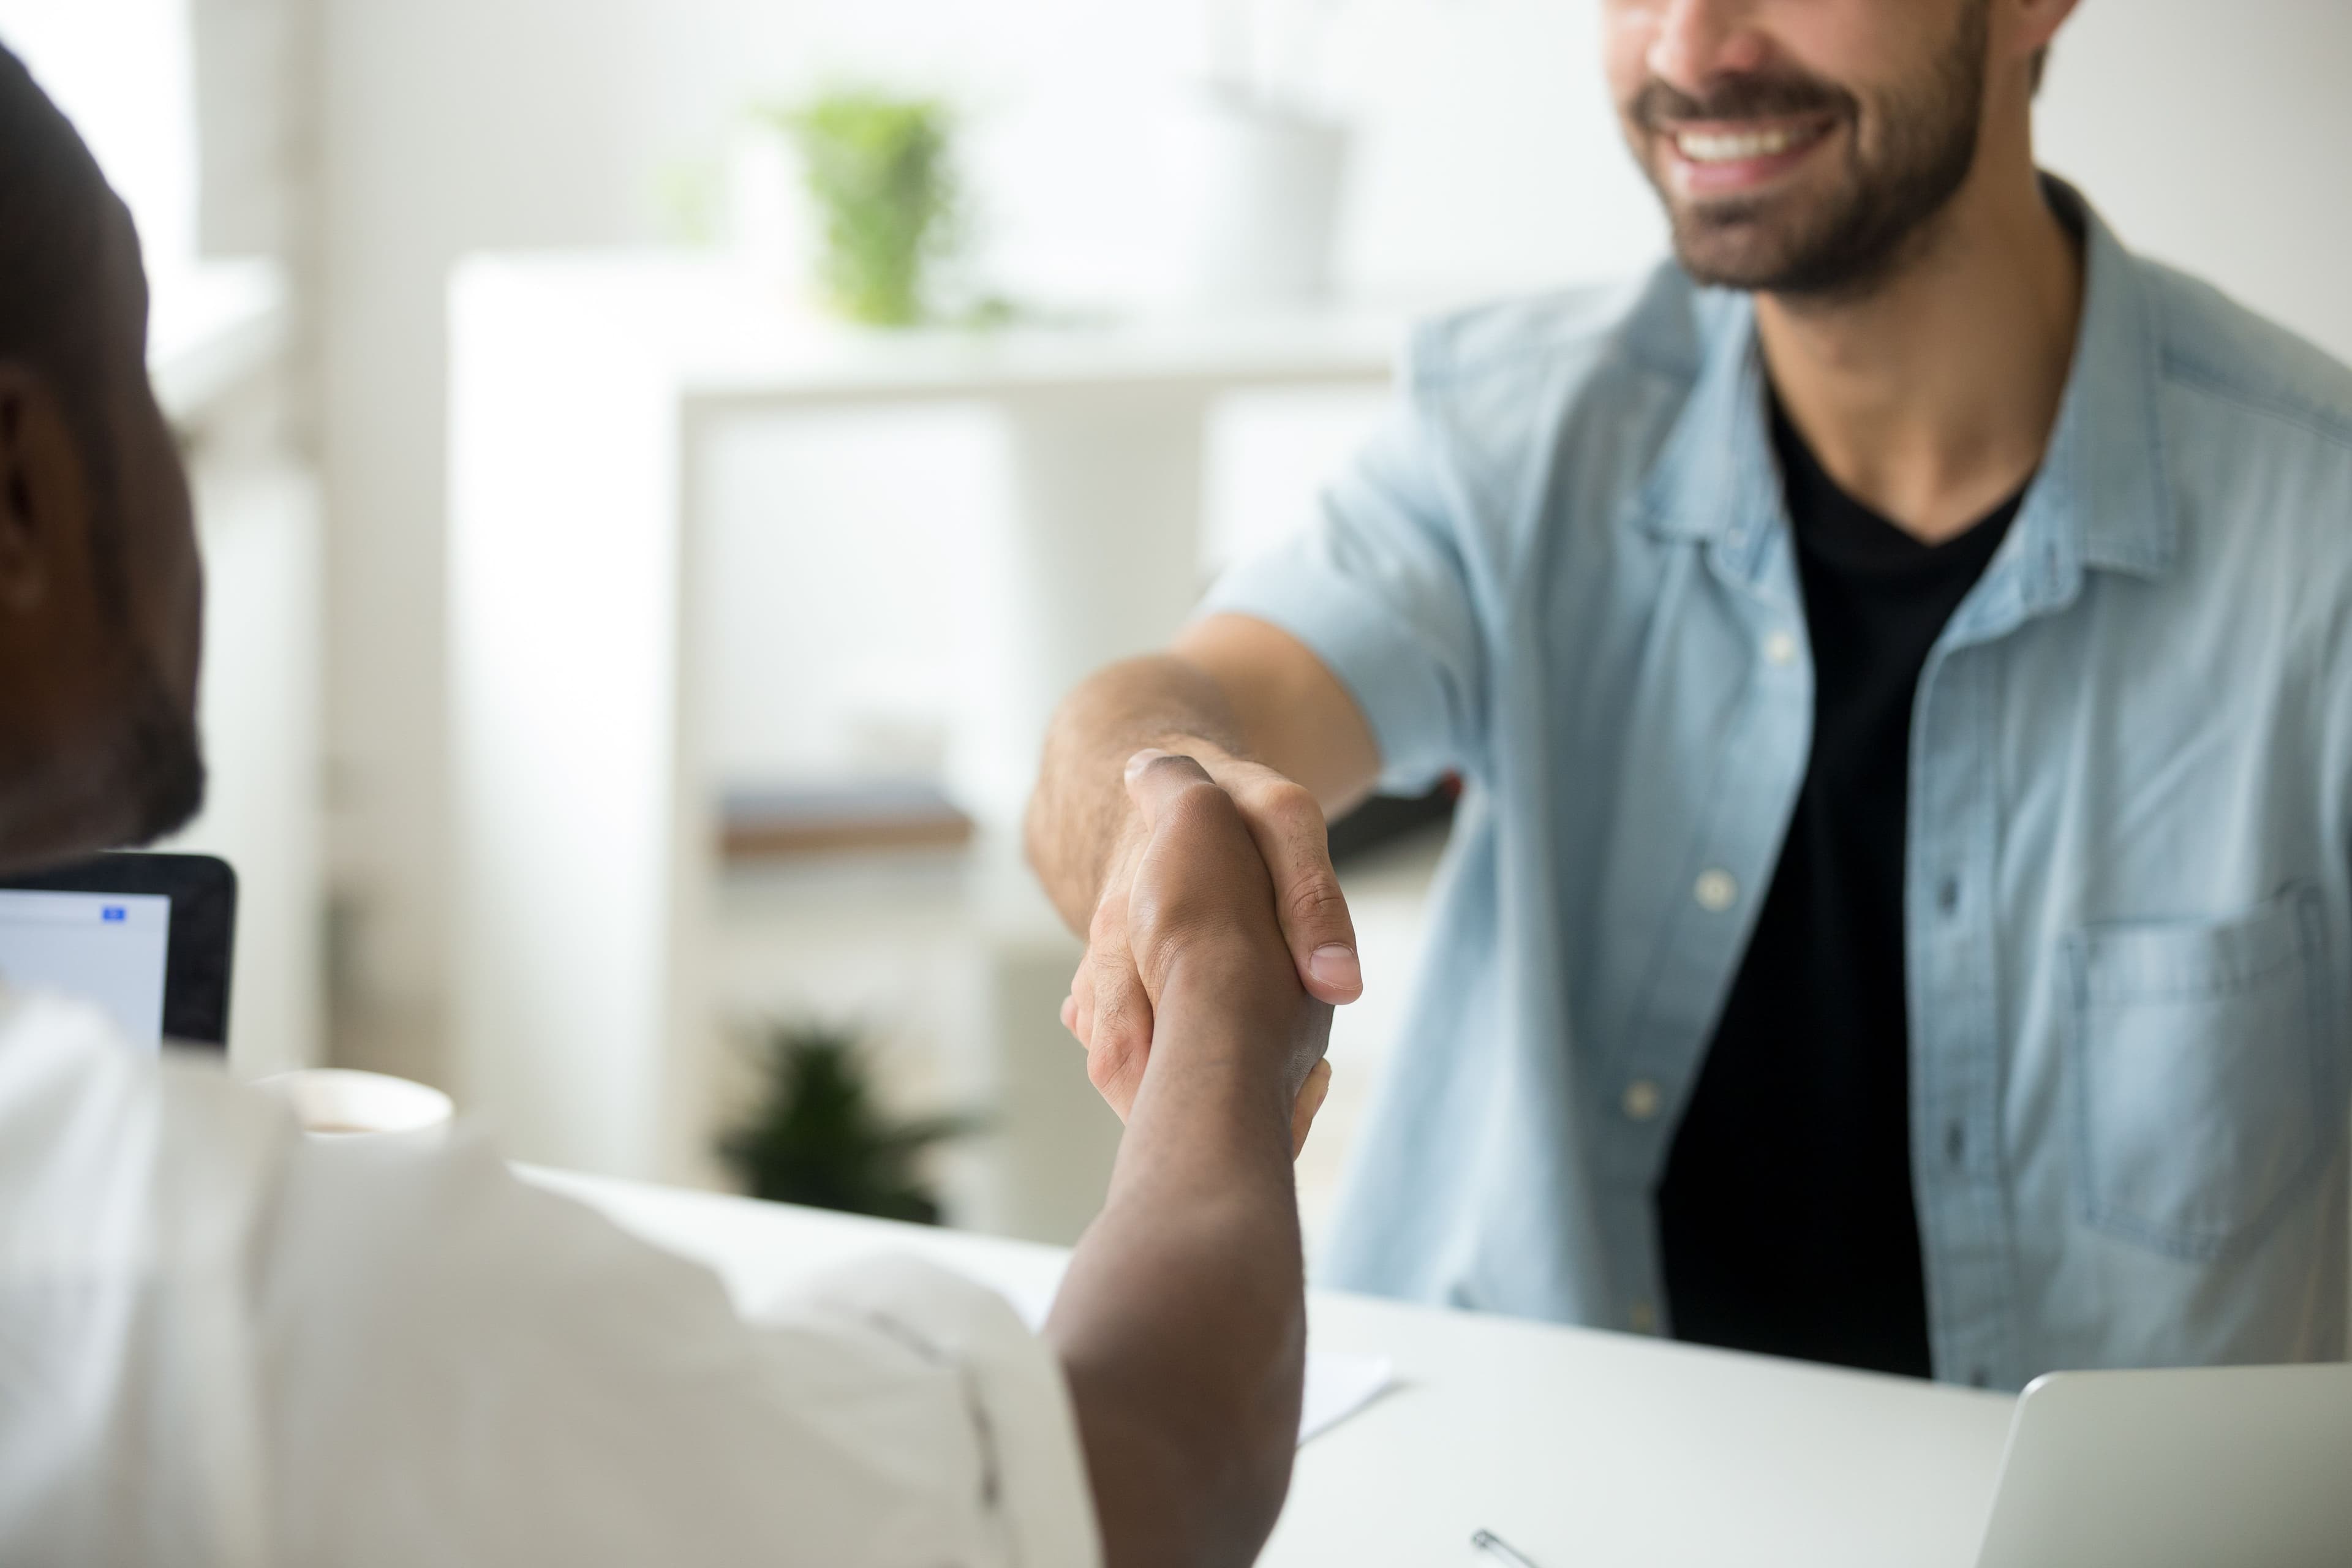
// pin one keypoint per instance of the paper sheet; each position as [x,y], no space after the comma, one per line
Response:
[1338,1386]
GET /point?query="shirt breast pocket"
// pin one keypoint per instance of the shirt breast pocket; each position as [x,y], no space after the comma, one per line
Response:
[2199,1057]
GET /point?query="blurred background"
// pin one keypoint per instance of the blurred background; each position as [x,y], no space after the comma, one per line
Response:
[660,459]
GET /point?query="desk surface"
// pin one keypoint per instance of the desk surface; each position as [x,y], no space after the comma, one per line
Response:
[1583,1450]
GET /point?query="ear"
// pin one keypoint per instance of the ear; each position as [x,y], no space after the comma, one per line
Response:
[44,497]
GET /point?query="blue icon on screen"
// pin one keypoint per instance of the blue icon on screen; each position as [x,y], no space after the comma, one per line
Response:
[113,912]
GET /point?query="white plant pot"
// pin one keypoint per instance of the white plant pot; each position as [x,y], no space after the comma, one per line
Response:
[771,224]
[1255,192]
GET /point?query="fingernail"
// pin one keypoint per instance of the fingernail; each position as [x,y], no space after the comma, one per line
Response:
[1142,760]
[1336,966]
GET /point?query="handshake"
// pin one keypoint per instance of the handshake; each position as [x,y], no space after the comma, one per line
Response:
[1219,923]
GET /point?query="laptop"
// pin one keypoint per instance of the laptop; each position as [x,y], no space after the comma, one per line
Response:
[2209,1468]
[149,938]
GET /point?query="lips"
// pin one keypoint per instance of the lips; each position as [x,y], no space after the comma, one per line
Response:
[1728,157]
[1735,146]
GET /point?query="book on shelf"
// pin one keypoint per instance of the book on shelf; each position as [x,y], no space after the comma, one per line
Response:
[775,821]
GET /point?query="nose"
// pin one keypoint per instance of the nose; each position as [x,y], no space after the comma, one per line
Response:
[1700,41]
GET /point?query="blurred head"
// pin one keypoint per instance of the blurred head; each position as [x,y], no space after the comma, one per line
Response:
[1807,147]
[101,592]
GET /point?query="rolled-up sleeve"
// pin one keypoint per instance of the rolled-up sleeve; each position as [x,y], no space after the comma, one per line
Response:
[1380,589]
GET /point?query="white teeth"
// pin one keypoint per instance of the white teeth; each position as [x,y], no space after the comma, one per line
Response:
[1727,147]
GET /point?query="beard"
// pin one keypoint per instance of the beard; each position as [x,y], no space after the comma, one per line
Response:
[1845,242]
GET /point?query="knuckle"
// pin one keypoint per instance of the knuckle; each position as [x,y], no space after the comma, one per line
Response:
[1288,800]
[1313,901]
[1099,1072]
[1122,1014]
[1109,920]
[1109,1061]
[1120,1031]
[1201,805]
[1110,977]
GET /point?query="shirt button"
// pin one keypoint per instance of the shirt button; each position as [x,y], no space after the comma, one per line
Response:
[1642,1318]
[1781,648]
[1956,1144]
[1716,891]
[1948,894]
[1641,1100]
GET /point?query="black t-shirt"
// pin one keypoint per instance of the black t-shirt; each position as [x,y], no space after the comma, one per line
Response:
[1785,1216]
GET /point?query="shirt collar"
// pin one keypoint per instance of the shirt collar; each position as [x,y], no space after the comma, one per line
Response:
[2099,499]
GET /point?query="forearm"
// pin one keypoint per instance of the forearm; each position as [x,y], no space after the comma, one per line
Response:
[1080,806]
[1181,1321]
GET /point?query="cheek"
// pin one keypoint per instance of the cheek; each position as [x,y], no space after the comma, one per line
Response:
[1854,43]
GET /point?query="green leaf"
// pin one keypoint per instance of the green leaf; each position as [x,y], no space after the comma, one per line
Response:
[880,170]
[818,1138]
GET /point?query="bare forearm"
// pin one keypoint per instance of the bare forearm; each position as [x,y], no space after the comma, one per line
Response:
[1182,1325]
[1080,806]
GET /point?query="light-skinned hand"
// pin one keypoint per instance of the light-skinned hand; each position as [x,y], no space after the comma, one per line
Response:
[1110,1006]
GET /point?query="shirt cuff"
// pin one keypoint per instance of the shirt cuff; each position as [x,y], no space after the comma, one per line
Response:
[1022,1417]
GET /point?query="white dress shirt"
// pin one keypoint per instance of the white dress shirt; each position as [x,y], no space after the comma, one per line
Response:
[223,1343]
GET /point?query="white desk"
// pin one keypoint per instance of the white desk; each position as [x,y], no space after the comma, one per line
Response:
[1583,1450]
[587,393]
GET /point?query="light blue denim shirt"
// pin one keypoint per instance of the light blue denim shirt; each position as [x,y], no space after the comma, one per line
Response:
[1565,571]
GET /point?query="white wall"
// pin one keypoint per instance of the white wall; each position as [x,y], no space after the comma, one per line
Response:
[2210,131]
[259,517]
[2214,133]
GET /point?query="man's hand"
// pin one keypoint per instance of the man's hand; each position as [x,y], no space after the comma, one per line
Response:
[1231,687]
[1110,1004]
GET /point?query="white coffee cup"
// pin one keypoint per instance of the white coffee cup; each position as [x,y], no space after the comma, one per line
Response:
[338,1102]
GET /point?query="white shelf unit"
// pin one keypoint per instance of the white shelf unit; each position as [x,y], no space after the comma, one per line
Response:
[586,392]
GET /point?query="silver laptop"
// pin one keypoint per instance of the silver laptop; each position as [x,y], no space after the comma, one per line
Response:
[2243,1466]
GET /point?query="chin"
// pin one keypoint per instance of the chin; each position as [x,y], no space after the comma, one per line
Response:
[1730,254]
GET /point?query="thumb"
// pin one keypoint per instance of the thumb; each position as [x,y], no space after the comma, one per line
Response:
[1155,778]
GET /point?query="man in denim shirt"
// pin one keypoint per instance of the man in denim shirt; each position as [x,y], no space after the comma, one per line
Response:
[1901,660]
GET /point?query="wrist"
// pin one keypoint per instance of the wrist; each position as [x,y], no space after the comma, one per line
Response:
[1225,1096]
[1222,1006]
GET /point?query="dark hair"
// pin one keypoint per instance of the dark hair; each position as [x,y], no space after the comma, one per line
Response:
[53,290]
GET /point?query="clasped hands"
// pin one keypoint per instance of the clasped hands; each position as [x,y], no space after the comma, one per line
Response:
[1225,863]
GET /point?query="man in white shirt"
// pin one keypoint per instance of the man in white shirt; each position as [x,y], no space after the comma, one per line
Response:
[221,1343]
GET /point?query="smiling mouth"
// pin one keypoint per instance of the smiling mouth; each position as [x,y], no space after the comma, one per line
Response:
[1725,145]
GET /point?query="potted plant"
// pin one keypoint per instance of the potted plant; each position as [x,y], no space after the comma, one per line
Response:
[819,1137]
[1264,165]
[881,176]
